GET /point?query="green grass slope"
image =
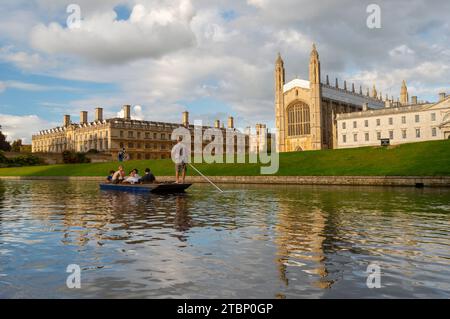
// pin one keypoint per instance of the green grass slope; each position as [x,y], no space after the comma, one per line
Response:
[417,159]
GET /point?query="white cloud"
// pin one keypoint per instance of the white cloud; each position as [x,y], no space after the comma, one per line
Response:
[149,32]
[402,50]
[136,113]
[232,61]
[24,86]
[19,127]
[2,87]
[26,61]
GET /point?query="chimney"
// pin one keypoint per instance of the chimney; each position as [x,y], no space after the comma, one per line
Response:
[413,100]
[127,112]
[217,124]
[186,119]
[442,96]
[99,114]
[365,106]
[230,122]
[83,117]
[387,104]
[66,120]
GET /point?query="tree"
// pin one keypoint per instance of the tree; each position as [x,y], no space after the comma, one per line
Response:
[4,144]
[16,145]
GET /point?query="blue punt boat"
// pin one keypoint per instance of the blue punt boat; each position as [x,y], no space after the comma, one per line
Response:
[146,188]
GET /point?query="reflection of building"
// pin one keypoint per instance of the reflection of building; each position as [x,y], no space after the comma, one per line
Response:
[401,123]
[307,111]
[141,139]
[300,242]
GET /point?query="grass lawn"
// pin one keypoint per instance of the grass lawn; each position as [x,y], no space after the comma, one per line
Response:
[417,159]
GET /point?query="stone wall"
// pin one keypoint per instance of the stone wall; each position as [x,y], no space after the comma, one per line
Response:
[431,181]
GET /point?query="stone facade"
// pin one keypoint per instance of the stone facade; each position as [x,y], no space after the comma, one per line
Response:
[306,110]
[141,139]
[403,123]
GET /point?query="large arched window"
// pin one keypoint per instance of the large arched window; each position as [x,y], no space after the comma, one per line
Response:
[298,119]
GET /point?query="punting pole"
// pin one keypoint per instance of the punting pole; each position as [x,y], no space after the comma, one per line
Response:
[217,187]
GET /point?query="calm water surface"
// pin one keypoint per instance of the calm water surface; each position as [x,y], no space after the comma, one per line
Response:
[250,242]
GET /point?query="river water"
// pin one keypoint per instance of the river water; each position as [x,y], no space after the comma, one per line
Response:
[249,242]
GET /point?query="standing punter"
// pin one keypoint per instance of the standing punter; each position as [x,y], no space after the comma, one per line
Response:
[180,157]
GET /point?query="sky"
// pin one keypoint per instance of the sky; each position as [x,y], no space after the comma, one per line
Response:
[212,58]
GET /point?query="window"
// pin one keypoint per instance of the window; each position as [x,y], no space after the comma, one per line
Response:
[147,135]
[378,122]
[139,135]
[298,120]
[147,156]
[163,136]
[367,137]
[391,121]
[378,135]
[344,138]
[121,133]
[139,156]
[433,116]
[155,136]
[138,145]
[391,135]
[417,132]
[130,145]
[404,134]
[366,123]
[403,119]
[147,145]
[130,134]
[355,137]
[433,131]
[355,124]
[121,145]
[417,118]
[344,125]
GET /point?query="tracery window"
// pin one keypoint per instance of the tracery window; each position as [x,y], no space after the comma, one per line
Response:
[298,119]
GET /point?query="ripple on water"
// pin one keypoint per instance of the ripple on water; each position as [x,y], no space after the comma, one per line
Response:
[251,241]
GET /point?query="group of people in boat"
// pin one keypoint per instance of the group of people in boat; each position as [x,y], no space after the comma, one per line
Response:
[179,155]
[120,177]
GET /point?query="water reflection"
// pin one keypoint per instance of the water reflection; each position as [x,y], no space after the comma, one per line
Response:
[266,242]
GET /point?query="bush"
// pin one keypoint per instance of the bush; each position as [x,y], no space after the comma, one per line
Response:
[25,160]
[74,158]
[3,159]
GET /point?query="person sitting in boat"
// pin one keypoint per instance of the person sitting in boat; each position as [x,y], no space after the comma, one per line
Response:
[110,176]
[148,178]
[134,177]
[118,176]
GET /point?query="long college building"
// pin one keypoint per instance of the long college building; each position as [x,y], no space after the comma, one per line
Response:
[141,139]
[308,111]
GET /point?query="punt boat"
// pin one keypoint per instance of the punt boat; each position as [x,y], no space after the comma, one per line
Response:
[146,188]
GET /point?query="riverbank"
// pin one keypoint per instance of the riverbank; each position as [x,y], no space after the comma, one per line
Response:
[413,181]
[425,159]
